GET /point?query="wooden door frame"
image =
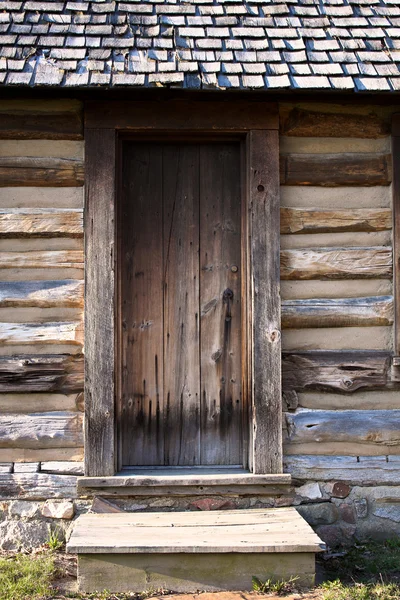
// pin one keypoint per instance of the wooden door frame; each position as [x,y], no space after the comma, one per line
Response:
[258,123]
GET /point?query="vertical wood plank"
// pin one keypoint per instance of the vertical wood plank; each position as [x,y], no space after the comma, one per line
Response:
[264,201]
[141,310]
[181,304]
[99,302]
[396,228]
[220,303]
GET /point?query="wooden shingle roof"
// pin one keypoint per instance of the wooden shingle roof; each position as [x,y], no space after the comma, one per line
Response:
[271,44]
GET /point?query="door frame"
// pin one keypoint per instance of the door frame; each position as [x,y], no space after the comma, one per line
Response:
[257,123]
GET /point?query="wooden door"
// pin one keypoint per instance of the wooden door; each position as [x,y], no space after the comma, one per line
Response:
[180,302]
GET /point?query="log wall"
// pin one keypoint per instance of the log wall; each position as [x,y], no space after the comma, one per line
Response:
[340,388]
[41,295]
[342,409]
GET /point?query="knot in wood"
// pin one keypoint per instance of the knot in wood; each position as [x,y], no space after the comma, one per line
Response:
[274,335]
[107,414]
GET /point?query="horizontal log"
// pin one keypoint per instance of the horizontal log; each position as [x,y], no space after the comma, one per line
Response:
[305,123]
[377,338]
[376,427]
[309,196]
[32,125]
[349,288]
[40,402]
[337,263]
[49,259]
[333,170]
[385,399]
[37,486]
[62,467]
[42,294]
[41,222]
[42,172]
[365,470]
[309,220]
[41,333]
[335,371]
[41,373]
[45,197]
[38,454]
[325,145]
[337,312]
[41,430]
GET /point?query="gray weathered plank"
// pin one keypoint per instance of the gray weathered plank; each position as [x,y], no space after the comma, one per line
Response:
[41,222]
[99,302]
[267,399]
[12,334]
[41,373]
[41,430]
[41,294]
[37,486]
[40,172]
[337,312]
[42,259]
[337,263]
[311,220]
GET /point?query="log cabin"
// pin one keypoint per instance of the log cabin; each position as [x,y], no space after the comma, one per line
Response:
[199,284]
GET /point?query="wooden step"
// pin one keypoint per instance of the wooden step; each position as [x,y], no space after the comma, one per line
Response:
[191,551]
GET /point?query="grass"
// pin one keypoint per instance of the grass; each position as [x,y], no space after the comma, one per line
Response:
[26,577]
[369,571]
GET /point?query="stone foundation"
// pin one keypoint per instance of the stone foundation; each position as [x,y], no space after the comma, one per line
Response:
[36,498]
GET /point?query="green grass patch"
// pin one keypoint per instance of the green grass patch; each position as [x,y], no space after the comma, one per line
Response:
[336,590]
[26,576]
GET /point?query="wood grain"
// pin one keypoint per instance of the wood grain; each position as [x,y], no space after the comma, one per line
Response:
[41,222]
[41,172]
[42,259]
[310,220]
[99,302]
[182,114]
[29,124]
[264,199]
[335,371]
[40,402]
[37,486]
[306,123]
[337,312]
[41,333]
[141,338]
[41,430]
[41,373]
[42,294]
[220,301]
[396,227]
[364,470]
[337,263]
[375,427]
[181,195]
[332,170]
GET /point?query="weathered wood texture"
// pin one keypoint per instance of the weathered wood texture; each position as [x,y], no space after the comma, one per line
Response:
[337,263]
[37,454]
[332,170]
[41,333]
[62,467]
[310,220]
[341,312]
[264,201]
[41,222]
[99,302]
[37,486]
[50,120]
[374,427]
[335,371]
[365,470]
[307,123]
[42,294]
[14,402]
[39,259]
[181,115]
[47,172]
[41,430]
[396,227]
[41,373]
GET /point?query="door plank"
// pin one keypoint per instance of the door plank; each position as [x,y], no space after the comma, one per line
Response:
[141,310]
[220,302]
[181,304]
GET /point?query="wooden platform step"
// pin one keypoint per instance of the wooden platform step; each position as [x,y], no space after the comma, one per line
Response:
[191,551]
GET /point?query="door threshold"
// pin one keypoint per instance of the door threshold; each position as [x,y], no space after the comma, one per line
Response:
[185,481]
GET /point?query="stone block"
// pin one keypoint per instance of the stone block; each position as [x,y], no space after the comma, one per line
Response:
[212,504]
[320,513]
[63,509]
[340,490]
[361,508]
[347,513]
[310,490]
[24,508]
